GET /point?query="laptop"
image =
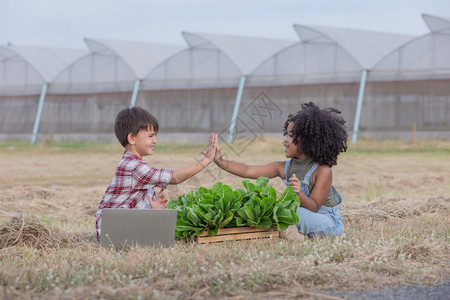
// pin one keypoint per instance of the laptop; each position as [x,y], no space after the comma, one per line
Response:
[122,228]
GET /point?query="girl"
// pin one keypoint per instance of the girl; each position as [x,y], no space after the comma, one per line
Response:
[313,139]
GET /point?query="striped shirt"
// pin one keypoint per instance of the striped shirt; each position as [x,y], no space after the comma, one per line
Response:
[133,179]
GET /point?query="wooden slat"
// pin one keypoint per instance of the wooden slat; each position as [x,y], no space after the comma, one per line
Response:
[207,242]
[239,230]
[243,236]
[239,234]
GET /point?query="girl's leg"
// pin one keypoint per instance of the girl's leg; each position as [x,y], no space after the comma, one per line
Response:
[324,222]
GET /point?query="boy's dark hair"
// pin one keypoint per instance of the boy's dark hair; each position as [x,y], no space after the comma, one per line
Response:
[132,120]
[318,133]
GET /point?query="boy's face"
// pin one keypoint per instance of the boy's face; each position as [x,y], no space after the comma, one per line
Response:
[143,143]
[290,149]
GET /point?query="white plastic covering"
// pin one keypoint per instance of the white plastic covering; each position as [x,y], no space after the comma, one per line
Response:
[24,69]
[327,54]
[410,87]
[364,46]
[213,60]
[111,66]
[437,24]
[141,57]
[426,57]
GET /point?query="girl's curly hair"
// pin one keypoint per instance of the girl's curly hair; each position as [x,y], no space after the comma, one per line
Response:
[318,133]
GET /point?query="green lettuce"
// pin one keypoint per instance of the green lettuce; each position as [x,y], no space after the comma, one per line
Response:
[222,207]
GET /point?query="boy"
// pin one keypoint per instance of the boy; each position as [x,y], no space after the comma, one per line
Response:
[134,180]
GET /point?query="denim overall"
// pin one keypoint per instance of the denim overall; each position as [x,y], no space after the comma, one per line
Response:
[327,220]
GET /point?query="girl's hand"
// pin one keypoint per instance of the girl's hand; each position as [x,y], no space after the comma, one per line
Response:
[211,150]
[295,183]
[160,201]
[218,155]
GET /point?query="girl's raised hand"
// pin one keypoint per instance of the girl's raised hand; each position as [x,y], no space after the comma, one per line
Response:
[218,155]
[295,183]
[211,150]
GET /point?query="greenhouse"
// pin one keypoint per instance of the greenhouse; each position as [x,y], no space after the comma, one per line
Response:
[385,84]
[411,85]
[26,73]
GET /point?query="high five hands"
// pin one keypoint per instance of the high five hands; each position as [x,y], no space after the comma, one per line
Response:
[210,151]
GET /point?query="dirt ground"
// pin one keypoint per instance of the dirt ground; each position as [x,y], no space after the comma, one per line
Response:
[390,189]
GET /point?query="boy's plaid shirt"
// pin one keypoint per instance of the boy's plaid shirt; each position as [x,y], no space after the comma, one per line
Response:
[131,182]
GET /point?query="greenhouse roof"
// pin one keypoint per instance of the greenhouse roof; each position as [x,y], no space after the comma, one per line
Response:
[424,57]
[366,47]
[323,54]
[141,57]
[47,62]
[246,52]
[437,24]
[111,65]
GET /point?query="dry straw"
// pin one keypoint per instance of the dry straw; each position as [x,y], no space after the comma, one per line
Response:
[22,231]
[388,208]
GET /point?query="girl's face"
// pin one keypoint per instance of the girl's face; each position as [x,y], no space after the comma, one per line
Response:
[290,149]
[143,143]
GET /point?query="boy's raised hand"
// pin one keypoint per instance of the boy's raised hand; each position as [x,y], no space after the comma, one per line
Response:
[211,150]
[295,183]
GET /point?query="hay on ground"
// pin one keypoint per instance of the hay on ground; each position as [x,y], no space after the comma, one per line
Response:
[21,231]
[386,208]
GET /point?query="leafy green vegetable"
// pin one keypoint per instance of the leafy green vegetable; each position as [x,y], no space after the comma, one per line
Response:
[219,207]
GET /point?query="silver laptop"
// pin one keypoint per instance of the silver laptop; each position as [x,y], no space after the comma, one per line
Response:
[122,228]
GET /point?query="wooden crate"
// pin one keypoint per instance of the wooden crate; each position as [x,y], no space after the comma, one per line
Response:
[239,234]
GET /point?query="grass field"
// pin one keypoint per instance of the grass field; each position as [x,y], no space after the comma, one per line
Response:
[396,213]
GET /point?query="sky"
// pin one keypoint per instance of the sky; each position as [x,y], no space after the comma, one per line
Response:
[65,23]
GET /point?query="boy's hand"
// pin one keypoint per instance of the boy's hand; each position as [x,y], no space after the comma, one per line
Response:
[211,150]
[160,201]
[295,183]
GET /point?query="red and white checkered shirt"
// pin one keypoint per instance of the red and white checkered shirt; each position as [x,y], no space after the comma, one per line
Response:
[133,179]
